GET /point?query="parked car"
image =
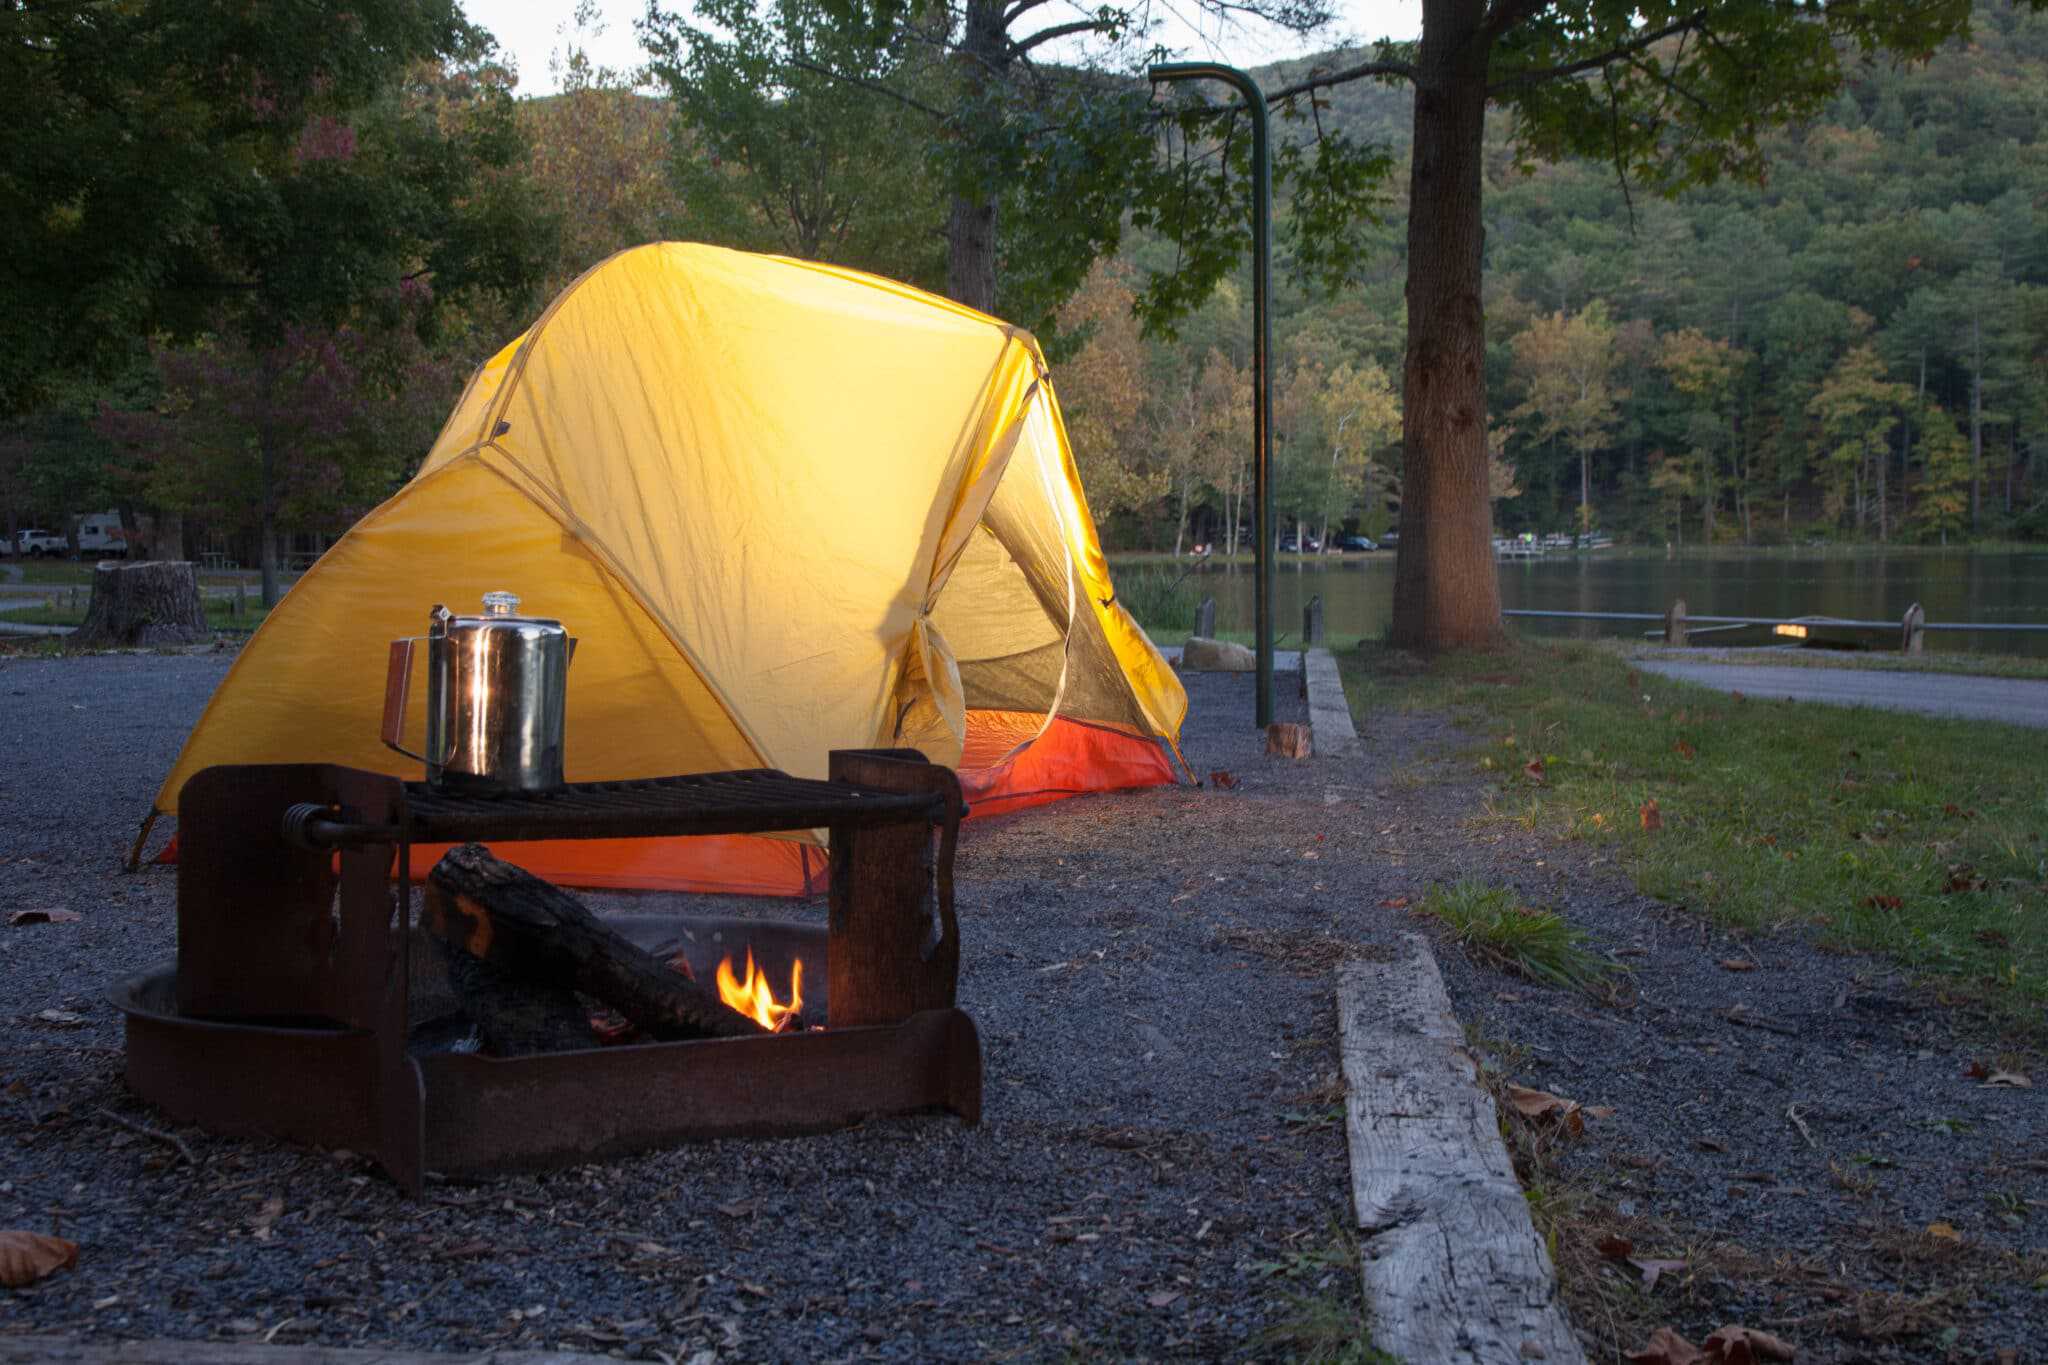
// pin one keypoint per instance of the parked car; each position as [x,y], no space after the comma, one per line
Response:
[1309,546]
[1389,539]
[41,543]
[1351,545]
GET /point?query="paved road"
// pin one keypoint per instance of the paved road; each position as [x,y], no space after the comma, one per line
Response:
[2012,700]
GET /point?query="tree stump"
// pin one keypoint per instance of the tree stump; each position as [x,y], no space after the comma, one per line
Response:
[155,602]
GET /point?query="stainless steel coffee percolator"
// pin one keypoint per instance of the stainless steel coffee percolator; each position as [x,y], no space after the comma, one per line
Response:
[497,692]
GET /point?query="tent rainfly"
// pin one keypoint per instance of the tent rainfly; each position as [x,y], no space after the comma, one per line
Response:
[785,508]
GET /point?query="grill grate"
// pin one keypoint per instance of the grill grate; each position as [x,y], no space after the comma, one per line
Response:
[752,801]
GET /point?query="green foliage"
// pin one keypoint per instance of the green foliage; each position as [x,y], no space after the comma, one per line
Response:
[1159,598]
[1491,923]
[796,134]
[174,167]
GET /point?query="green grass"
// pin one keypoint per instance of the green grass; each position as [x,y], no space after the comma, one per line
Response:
[1912,836]
[1971,665]
[1323,1321]
[1492,925]
[1162,598]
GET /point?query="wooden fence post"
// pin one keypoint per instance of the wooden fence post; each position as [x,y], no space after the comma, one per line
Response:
[1205,619]
[1912,633]
[1312,622]
[1674,624]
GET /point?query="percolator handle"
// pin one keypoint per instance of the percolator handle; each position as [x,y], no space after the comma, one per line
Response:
[397,692]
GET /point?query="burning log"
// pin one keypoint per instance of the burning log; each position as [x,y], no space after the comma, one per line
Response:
[538,936]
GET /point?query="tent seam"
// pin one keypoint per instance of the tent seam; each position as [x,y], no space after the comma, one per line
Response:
[537,493]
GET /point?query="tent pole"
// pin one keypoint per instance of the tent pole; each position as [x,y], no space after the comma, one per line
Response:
[1262,353]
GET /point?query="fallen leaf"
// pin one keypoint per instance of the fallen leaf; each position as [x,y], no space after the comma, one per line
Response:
[26,1257]
[65,1018]
[1541,1104]
[44,917]
[1762,1345]
[1945,1232]
[1976,1071]
[1881,902]
[1533,770]
[1653,1270]
[1163,1298]
[1738,964]
[1615,1248]
[1653,818]
[736,1209]
[1962,877]
[1599,1111]
[1737,695]
[1396,903]
[1666,1347]
[1222,780]
[2011,1078]
[1684,750]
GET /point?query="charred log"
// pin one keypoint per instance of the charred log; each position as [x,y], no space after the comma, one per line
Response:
[514,1017]
[536,934]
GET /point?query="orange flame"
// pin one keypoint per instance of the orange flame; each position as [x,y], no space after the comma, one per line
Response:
[752,997]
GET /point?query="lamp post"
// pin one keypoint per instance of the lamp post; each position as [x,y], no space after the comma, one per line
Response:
[1262,357]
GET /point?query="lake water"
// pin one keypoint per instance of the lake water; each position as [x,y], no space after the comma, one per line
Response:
[1357,591]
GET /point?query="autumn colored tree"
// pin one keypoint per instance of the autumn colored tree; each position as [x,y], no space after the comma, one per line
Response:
[1101,390]
[1704,370]
[1856,411]
[597,149]
[1361,415]
[1566,366]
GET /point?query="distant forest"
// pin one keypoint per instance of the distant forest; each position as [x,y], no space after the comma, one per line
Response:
[1855,349]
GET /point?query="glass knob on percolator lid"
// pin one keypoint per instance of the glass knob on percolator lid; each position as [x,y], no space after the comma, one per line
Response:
[501,603]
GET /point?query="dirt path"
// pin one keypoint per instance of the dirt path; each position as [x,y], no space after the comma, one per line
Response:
[1161,1171]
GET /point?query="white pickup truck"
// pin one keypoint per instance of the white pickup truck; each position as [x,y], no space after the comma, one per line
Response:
[41,543]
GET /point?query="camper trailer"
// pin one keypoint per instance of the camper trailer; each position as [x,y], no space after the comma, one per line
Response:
[100,534]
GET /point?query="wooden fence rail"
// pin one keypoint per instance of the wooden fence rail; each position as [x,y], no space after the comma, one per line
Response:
[1680,626]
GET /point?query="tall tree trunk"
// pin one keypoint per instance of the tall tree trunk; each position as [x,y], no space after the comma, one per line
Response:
[1446,589]
[267,549]
[1976,419]
[983,57]
[1180,526]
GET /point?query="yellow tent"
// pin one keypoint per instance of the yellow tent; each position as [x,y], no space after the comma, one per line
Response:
[785,508]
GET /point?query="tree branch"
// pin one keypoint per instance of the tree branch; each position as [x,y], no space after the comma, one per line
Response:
[1505,14]
[1019,8]
[1057,31]
[1353,73]
[872,87]
[1691,23]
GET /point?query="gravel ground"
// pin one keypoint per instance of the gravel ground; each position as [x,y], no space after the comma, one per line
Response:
[1160,1171]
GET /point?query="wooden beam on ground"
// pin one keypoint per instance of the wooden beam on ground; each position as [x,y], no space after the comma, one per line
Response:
[1454,1271]
[1329,713]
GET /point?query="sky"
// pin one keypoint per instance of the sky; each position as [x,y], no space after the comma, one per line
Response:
[529,30]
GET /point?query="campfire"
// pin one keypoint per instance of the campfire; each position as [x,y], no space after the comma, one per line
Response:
[311,1000]
[751,996]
